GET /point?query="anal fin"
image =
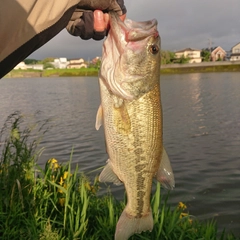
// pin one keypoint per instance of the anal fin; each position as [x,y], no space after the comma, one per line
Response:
[107,175]
[165,173]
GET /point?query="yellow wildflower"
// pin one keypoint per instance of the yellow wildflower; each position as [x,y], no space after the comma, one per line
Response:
[53,178]
[93,189]
[53,163]
[60,190]
[183,215]
[90,188]
[61,201]
[52,160]
[65,175]
[190,221]
[87,186]
[182,205]
[61,181]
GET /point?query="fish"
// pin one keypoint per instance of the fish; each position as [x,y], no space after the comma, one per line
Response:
[131,114]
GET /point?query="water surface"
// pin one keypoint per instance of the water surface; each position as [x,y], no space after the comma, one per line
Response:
[201,133]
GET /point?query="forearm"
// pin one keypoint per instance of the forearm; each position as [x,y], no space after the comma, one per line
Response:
[30,25]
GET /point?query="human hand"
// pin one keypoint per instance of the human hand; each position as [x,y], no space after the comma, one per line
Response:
[101,20]
[91,19]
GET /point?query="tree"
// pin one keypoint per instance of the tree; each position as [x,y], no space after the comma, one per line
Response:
[167,57]
[206,55]
[98,64]
[48,65]
[95,63]
[182,59]
[47,60]
[30,61]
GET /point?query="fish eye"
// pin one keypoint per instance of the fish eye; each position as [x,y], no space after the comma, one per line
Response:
[154,49]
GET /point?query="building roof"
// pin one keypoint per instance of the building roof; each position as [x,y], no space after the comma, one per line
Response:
[220,48]
[235,54]
[235,45]
[187,49]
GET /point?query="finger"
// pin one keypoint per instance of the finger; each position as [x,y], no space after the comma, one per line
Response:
[122,17]
[106,20]
[99,23]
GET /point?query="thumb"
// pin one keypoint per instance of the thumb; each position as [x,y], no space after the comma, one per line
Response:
[99,23]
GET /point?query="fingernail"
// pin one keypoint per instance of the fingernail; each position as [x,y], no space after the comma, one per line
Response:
[98,15]
[99,24]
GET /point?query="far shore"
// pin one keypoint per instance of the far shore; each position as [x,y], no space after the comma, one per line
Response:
[165,69]
[221,66]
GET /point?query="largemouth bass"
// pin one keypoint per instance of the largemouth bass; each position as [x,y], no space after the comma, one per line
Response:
[131,113]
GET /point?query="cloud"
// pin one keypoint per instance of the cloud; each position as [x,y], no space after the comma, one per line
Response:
[181,24]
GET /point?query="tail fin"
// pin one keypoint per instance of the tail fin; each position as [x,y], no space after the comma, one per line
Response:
[128,225]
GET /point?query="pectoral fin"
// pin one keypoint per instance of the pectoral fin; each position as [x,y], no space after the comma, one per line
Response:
[99,118]
[107,175]
[165,173]
[122,120]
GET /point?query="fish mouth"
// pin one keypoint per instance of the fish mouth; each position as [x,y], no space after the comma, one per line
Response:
[130,31]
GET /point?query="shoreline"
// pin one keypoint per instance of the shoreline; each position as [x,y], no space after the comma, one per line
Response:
[203,67]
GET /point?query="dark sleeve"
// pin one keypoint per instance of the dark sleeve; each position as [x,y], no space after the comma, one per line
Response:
[29,26]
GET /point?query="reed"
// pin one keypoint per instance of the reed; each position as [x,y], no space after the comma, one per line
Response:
[58,202]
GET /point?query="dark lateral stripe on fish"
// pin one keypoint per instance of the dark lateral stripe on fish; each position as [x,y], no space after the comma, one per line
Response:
[140,200]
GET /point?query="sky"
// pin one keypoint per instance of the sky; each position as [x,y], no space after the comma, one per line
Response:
[181,24]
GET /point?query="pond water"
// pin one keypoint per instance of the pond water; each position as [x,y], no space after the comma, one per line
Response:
[201,117]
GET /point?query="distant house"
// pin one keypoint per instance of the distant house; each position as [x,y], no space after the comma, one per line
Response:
[95,60]
[21,65]
[77,63]
[218,53]
[228,55]
[235,53]
[35,66]
[24,66]
[60,63]
[194,55]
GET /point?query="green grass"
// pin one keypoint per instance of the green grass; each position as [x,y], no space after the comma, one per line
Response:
[70,72]
[54,73]
[58,202]
[201,69]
